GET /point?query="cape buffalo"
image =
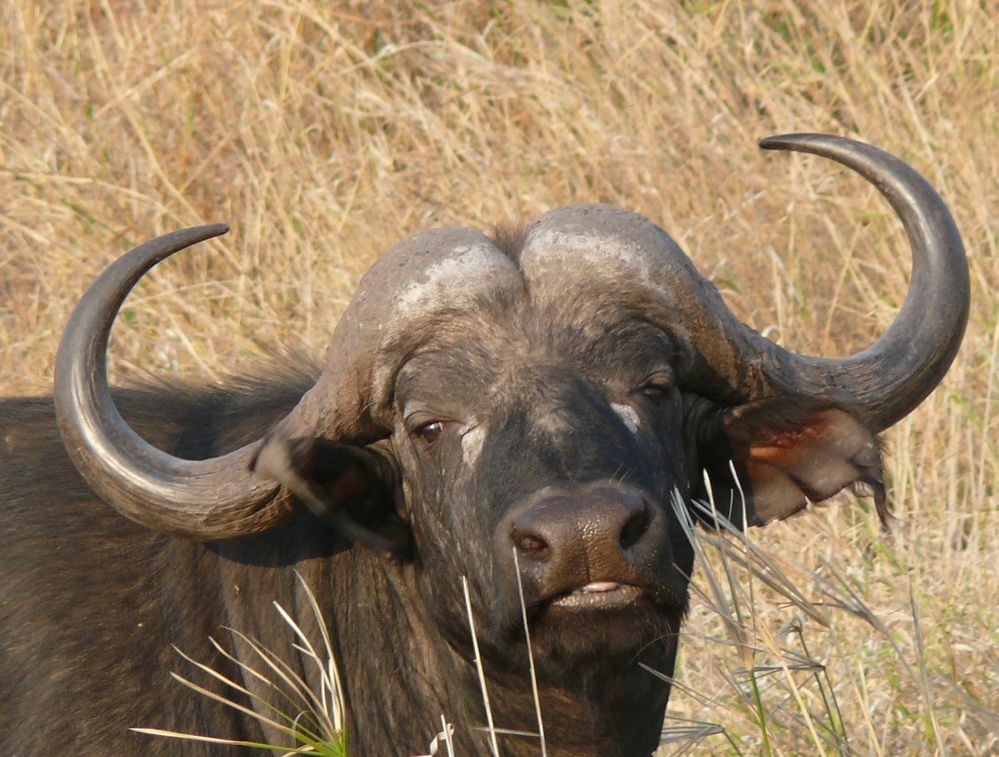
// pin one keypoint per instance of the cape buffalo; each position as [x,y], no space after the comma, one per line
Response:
[545,392]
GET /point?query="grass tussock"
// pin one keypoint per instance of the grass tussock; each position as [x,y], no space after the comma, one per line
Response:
[313,720]
[323,132]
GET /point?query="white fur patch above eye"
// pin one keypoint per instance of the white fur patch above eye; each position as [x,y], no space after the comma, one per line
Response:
[628,415]
[471,445]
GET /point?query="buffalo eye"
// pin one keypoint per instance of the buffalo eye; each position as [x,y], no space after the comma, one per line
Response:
[657,387]
[430,432]
[654,393]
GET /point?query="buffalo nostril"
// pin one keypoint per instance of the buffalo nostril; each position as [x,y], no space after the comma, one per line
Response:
[634,529]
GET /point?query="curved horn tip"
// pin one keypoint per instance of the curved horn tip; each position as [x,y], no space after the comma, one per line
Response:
[171,242]
[797,140]
[214,229]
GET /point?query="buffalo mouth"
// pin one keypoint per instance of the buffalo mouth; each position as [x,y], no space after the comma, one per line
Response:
[602,603]
[603,622]
[598,595]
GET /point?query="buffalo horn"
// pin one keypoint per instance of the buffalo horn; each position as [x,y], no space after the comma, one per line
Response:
[604,249]
[884,382]
[216,498]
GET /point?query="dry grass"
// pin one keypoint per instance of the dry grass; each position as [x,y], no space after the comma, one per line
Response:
[324,134]
[313,720]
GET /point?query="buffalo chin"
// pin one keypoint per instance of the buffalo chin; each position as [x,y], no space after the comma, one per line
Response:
[590,637]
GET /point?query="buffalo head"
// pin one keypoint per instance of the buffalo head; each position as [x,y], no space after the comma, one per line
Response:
[539,400]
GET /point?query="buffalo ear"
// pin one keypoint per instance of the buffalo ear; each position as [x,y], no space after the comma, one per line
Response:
[351,488]
[787,452]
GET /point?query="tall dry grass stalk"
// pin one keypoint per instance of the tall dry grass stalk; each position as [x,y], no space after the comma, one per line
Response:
[324,132]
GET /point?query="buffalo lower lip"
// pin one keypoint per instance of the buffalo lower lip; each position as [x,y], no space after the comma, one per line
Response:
[599,595]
